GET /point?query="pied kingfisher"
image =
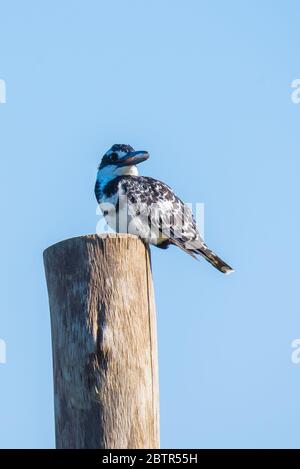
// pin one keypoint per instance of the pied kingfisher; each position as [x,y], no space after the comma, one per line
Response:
[147,207]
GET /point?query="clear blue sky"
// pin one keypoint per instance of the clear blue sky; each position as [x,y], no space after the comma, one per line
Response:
[205,87]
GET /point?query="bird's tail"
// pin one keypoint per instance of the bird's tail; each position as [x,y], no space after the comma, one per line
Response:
[216,261]
[197,247]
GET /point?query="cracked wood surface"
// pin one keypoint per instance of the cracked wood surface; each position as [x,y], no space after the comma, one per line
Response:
[104,342]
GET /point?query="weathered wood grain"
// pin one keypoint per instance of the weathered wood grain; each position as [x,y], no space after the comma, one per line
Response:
[104,342]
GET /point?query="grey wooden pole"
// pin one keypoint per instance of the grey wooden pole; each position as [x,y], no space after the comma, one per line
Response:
[104,342]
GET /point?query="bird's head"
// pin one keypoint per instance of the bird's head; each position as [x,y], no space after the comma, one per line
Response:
[119,159]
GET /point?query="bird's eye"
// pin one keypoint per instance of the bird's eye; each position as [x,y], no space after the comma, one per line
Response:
[114,157]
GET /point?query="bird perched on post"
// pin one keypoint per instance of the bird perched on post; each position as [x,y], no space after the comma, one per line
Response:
[147,207]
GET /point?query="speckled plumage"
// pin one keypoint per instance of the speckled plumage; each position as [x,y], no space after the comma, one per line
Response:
[149,207]
[145,195]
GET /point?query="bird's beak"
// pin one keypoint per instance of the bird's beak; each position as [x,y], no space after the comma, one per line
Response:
[133,158]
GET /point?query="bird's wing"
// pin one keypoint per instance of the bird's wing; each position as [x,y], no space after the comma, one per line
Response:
[153,203]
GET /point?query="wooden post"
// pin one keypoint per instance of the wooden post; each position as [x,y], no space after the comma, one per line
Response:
[104,342]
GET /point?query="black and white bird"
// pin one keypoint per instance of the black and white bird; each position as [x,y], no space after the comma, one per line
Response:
[147,207]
